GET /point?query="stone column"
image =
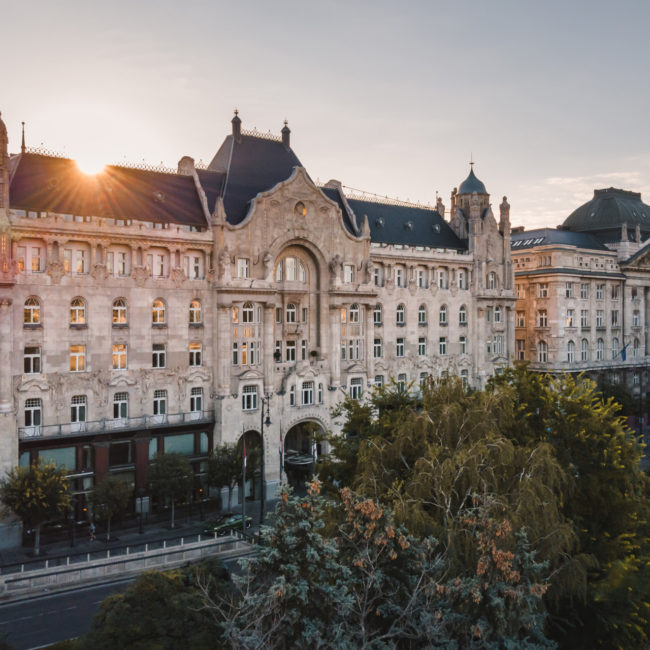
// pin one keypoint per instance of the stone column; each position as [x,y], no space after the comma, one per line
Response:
[224,343]
[369,334]
[267,342]
[6,345]
[141,461]
[335,345]
[101,460]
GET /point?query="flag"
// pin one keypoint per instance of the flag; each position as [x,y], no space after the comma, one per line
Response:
[624,352]
[244,460]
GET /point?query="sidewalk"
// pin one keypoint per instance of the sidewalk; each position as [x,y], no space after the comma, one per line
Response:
[122,536]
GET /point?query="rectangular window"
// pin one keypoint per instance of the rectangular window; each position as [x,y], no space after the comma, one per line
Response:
[584,290]
[520,349]
[290,351]
[305,313]
[422,278]
[463,345]
[399,349]
[636,318]
[67,260]
[348,273]
[159,402]
[401,382]
[242,267]
[443,345]
[600,318]
[422,347]
[235,354]
[249,398]
[121,263]
[600,291]
[379,380]
[356,388]
[568,289]
[377,350]
[570,318]
[376,315]
[77,358]
[307,393]
[160,266]
[542,318]
[32,360]
[292,396]
[78,408]
[615,291]
[303,350]
[33,413]
[614,317]
[244,353]
[119,356]
[399,276]
[120,406]
[196,400]
[278,314]
[158,355]
[584,318]
[521,319]
[195,353]
[542,290]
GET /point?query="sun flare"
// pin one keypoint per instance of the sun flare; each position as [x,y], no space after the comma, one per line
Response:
[90,165]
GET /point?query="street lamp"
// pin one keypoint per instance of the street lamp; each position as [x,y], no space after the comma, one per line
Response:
[141,492]
[263,421]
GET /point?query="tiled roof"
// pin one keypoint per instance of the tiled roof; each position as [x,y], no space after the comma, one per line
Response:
[49,183]
[251,165]
[548,236]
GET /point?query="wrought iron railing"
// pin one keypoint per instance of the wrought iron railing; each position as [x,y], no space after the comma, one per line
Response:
[109,425]
[362,195]
[259,134]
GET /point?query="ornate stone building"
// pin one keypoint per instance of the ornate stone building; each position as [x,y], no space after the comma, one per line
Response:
[144,311]
[583,291]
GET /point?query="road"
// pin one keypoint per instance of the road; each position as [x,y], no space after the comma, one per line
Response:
[42,620]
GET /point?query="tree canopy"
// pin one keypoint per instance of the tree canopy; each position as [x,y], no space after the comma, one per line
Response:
[170,477]
[110,498]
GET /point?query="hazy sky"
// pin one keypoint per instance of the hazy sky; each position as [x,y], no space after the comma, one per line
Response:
[552,98]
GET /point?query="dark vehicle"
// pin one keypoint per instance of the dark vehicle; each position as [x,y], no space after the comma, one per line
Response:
[225,527]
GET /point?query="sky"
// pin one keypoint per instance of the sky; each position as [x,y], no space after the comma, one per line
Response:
[551,99]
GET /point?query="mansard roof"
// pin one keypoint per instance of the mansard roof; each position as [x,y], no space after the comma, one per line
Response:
[548,236]
[251,164]
[49,183]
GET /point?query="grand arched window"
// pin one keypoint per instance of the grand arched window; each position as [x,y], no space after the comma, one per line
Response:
[158,312]
[32,312]
[77,311]
[195,312]
[119,312]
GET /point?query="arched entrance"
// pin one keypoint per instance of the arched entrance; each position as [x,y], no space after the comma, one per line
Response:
[253,441]
[302,448]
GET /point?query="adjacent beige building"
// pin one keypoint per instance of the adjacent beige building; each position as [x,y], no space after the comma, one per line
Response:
[146,310]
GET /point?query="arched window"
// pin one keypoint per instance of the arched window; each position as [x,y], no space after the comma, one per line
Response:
[462,315]
[422,315]
[195,312]
[32,314]
[570,352]
[542,352]
[248,313]
[158,312]
[492,280]
[119,311]
[614,348]
[635,348]
[400,315]
[497,314]
[354,313]
[600,350]
[77,311]
[291,313]
[584,350]
[443,314]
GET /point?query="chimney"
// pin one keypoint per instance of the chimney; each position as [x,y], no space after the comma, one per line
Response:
[286,133]
[236,126]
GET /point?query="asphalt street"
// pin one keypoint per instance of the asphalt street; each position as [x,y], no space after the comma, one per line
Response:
[41,620]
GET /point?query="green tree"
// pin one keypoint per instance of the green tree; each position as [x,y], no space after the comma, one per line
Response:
[170,477]
[225,469]
[35,494]
[601,597]
[110,498]
[160,610]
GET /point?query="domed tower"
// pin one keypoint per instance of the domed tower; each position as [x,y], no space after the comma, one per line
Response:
[472,185]
[470,203]
[4,172]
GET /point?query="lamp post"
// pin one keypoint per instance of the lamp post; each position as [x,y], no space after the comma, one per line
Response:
[263,421]
[141,497]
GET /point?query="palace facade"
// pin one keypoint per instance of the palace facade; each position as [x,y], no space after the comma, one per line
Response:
[146,311]
[583,292]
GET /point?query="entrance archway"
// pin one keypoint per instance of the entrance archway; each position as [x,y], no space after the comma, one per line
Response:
[302,448]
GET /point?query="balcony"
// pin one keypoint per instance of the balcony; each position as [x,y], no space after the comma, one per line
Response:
[110,425]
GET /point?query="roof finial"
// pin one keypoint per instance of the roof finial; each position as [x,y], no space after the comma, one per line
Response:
[22,146]
[236,112]
[471,160]
[286,122]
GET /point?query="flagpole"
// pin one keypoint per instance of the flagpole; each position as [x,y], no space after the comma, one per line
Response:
[243,501]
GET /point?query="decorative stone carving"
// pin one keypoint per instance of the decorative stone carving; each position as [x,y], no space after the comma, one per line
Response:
[99,272]
[335,265]
[55,270]
[178,276]
[140,275]
[370,269]
[267,260]
[224,264]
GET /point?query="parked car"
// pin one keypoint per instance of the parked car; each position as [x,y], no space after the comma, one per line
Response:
[223,528]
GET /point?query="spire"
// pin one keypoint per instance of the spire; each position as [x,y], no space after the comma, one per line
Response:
[286,133]
[22,145]
[471,161]
[236,125]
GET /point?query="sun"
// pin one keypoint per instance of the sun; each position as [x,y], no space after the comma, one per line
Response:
[90,164]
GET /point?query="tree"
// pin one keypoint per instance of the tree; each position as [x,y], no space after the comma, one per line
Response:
[170,477]
[225,469]
[110,498]
[160,610]
[35,494]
